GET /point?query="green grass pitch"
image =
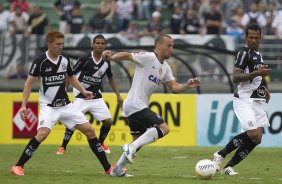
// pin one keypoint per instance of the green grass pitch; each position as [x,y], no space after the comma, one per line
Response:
[160,165]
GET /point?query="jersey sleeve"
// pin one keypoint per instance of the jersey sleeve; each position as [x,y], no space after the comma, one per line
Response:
[69,69]
[168,74]
[141,58]
[35,68]
[109,70]
[241,60]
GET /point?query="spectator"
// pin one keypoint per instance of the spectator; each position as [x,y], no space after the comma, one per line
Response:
[108,9]
[131,35]
[20,73]
[176,20]
[63,8]
[269,15]
[254,16]
[4,19]
[76,23]
[213,19]
[19,21]
[37,22]
[25,6]
[123,9]
[97,23]
[234,26]
[190,24]
[154,26]
[277,25]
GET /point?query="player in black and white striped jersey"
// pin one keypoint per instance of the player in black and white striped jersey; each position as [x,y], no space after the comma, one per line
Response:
[90,71]
[248,103]
[52,69]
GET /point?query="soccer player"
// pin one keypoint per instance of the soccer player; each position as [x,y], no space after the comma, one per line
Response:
[249,97]
[52,68]
[151,70]
[90,70]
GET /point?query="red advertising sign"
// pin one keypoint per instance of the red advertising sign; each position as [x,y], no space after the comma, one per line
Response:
[27,128]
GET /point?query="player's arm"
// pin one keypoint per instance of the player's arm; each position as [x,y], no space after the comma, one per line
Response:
[179,88]
[114,87]
[240,76]
[118,56]
[26,93]
[75,83]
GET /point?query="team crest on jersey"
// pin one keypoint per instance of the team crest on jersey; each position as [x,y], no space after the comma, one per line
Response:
[100,73]
[160,71]
[64,67]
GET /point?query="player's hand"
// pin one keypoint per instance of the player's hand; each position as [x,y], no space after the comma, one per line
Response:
[193,83]
[88,94]
[107,55]
[120,101]
[263,71]
[23,112]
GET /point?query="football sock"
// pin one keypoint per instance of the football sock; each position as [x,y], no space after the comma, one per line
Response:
[28,151]
[67,137]
[120,164]
[104,130]
[241,153]
[151,135]
[97,149]
[236,142]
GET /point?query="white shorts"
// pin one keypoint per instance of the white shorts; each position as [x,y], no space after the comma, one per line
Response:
[250,113]
[97,107]
[68,115]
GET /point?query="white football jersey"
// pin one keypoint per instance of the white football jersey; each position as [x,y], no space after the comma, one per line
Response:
[149,73]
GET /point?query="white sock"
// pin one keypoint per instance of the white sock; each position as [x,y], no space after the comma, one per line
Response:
[151,135]
[121,163]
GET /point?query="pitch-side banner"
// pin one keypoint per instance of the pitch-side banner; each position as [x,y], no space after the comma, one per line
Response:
[217,123]
[177,110]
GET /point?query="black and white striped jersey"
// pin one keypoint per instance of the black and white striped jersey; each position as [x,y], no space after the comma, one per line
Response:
[250,60]
[90,74]
[52,76]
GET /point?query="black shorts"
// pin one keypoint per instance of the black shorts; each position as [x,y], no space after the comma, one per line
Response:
[142,120]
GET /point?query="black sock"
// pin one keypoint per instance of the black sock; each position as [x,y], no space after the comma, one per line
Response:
[236,142]
[241,153]
[67,137]
[28,151]
[104,130]
[97,149]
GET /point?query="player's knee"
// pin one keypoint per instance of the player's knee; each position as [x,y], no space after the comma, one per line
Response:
[165,130]
[107,122]
[90,133]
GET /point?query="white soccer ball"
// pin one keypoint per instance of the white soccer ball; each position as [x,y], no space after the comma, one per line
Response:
[205,169]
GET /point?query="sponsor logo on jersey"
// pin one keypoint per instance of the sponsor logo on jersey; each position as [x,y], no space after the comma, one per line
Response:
[55,78]
[48,69]
[90,79]
[154,79]
[257,66]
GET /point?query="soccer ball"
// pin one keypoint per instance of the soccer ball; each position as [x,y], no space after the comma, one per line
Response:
[205,169]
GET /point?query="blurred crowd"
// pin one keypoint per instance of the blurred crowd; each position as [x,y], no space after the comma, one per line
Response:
[122,16]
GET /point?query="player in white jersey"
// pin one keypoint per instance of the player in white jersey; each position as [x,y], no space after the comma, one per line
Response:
[90,71]
[52,69]
[151,70]
[249,97]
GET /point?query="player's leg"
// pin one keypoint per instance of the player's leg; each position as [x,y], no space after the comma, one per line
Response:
[104,131]
[244,150]
[66,140]
[43,131]
[94,144]
[99,109]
